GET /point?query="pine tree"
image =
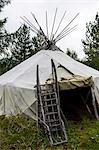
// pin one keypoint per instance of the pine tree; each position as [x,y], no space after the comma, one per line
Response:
[91,44]
[3,35]
[22,47]
[39,42]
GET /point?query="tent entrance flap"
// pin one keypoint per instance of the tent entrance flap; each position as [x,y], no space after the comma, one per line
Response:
[77,103]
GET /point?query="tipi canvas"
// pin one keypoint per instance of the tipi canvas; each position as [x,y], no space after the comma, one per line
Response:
[17,92]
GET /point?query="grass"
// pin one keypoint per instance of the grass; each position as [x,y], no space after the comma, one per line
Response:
[19,133]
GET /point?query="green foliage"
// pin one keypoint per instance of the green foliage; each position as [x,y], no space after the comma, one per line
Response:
[72,54]
[3,36]
[2,22]
[22,47]
[3,3]
[39,42]
[6,64]
[21,133]
[3,33]
[91,44]
[83,135]
[17,47]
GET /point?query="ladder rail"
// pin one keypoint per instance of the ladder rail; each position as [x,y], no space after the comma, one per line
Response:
[54,74]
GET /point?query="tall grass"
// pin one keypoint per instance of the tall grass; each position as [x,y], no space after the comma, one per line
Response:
[20,133]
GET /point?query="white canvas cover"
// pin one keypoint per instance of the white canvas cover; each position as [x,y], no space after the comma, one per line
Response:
[17,92]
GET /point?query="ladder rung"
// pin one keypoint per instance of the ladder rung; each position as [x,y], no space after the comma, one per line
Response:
[47,90]
[51,121]
[51,113]
[57,143]
[47,84]
[51,105]
[44,94]
[50,99]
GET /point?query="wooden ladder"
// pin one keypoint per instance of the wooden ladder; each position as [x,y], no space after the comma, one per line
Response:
[49,114]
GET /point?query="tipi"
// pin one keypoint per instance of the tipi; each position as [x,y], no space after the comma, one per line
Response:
[17,92]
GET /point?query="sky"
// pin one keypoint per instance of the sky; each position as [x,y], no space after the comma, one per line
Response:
[87,10]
